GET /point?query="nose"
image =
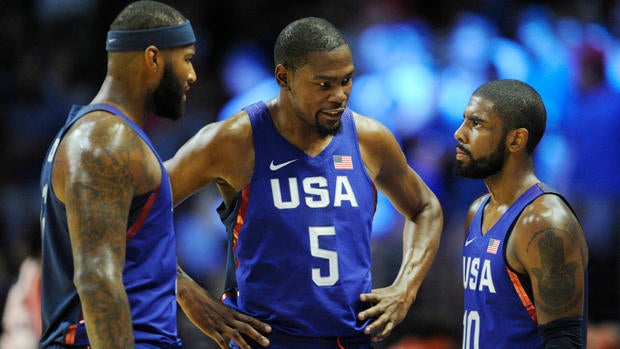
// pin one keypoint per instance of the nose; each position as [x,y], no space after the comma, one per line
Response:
[459,134]
[339,95]
[191,76]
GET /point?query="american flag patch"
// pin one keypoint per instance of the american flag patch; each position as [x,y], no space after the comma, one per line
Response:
[343,162]
[493,246]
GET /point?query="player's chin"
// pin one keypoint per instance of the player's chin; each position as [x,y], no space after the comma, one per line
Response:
[173,115]
[331,129]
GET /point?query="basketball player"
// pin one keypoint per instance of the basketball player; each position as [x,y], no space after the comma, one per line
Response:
[109,255]
[298,176]
[525,255]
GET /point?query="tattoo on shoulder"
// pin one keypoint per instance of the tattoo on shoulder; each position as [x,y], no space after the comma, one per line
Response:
[556,275]
[110,174]
[102,195]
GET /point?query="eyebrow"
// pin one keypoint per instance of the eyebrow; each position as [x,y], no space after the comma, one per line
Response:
[332,78]
[474,118]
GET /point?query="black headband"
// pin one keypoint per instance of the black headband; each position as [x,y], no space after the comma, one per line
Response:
[162,37]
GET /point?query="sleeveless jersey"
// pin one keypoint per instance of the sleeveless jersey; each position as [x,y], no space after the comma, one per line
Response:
[149,274]
[499,308]
[299,234]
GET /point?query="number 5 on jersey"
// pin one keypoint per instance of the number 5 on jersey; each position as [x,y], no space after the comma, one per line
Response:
[332,256]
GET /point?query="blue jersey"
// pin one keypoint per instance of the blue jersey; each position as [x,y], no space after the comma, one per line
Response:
[149,274]
[299,251]
[499,308]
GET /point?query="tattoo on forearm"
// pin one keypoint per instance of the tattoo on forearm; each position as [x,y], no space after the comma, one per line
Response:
[556,276]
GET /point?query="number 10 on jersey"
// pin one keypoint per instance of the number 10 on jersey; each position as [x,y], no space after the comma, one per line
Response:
[471,329]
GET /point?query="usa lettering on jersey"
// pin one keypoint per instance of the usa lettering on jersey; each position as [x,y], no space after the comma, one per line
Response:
[315,192]
[477,274]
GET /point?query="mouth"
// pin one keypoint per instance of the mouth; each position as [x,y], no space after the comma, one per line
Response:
[461,153]
[333,113]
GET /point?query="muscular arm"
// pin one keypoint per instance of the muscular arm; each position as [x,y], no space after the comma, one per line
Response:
[409,194]
[95,178]
[221,151]
[548,245]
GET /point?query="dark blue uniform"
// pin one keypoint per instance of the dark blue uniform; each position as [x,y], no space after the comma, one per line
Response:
[149,274]
[299,251]
[499,308]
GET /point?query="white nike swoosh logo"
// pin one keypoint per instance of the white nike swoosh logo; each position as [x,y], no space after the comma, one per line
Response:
[469,241]
[275,167]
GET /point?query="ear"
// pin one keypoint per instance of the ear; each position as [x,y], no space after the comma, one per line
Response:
[516,140]
[153,58]
[282,75]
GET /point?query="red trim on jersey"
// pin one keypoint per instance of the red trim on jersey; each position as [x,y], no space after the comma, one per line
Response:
[243,208]
[338,343]
[133,230]
[525,299]
[71,332]
[229,294]
[70,335]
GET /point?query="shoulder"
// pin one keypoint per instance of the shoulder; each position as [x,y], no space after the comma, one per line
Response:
[473,208]
[103,146]
[547,225]
[374,137]
[222,151]
[233,130]
[379,148]
[549,206]
[220,142]
[368,128]
[98,126]
[101,136]
[545,213]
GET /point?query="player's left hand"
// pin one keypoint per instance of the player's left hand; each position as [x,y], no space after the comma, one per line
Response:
[389,308]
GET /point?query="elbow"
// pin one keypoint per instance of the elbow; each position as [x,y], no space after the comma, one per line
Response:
[429,221]
[434,214]
[93,278]
[436,209]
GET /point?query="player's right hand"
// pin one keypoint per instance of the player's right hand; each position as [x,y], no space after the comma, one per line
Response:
[218,321]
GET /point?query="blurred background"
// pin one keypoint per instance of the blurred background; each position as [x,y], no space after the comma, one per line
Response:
[417,63]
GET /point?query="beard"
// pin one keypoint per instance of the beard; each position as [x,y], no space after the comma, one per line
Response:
[327,130]
[167,98]
[482,167]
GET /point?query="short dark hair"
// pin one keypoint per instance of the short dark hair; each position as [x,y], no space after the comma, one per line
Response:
[146,15]
[303,36]
[518,105]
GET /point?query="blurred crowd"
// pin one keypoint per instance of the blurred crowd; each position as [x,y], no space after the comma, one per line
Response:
[417,63]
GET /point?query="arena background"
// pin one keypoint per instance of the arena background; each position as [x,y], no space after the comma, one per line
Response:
[417,63]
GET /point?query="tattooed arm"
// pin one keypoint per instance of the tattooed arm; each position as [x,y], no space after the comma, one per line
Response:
[97,167]
[549,246]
